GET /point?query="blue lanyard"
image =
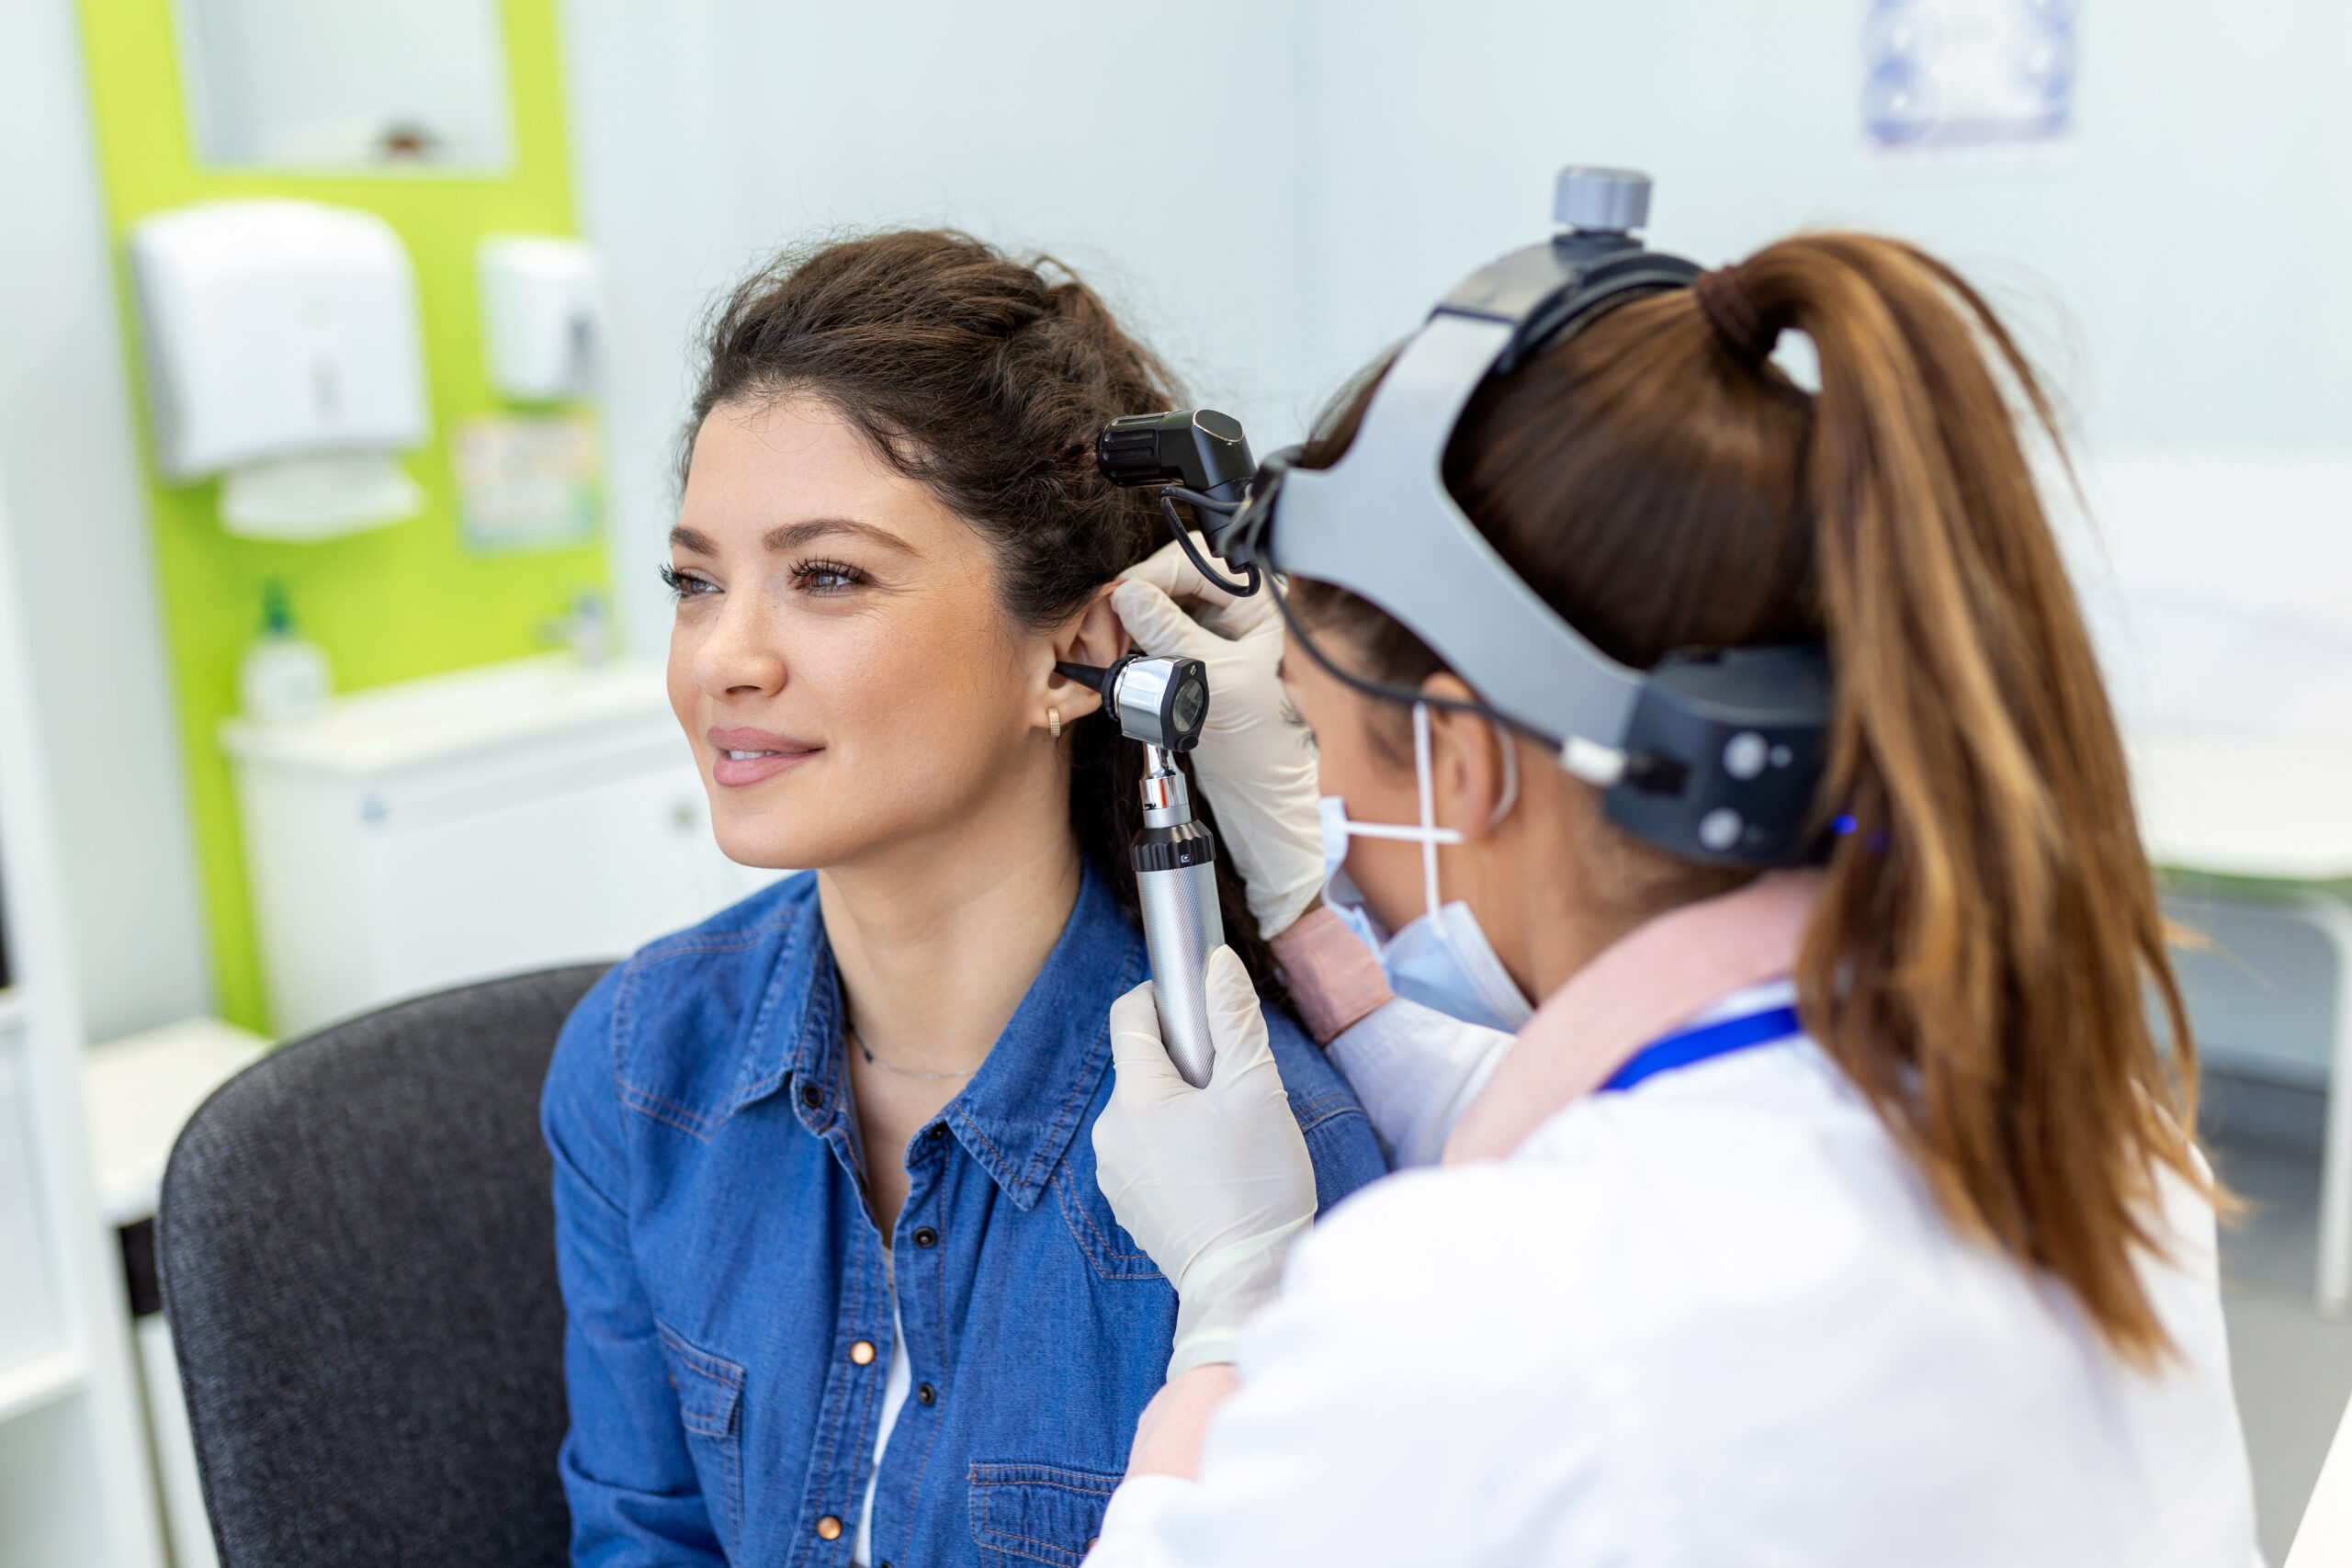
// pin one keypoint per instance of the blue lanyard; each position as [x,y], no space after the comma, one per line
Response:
[1691,1046]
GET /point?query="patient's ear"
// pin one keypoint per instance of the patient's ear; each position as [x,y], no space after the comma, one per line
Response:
[1094,636]
[1471,779]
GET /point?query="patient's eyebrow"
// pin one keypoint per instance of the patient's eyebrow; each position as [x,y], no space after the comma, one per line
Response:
[692,540]
[792,536]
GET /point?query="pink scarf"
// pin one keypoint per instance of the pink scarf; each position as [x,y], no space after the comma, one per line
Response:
[1662,974]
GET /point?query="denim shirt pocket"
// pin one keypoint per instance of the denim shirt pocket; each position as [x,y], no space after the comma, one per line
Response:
[710,1405]
[1037,1513]
[1114,1253]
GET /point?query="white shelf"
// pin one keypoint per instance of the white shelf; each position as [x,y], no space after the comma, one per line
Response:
[43,1379]
[77,1485]
[138,1092]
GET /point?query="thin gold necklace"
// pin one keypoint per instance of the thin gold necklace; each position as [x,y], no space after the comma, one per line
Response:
[874,1061]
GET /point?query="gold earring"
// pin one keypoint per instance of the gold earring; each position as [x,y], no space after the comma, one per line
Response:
[1054,722]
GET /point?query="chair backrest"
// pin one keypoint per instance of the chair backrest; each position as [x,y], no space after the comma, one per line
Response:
[357,1255]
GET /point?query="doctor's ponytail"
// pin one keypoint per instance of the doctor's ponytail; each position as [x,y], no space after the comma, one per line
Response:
[1983,956]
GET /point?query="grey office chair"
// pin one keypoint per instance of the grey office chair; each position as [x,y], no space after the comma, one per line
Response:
[357,1257]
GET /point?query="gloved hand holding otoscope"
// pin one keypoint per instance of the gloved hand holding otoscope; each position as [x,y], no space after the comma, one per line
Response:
[1161,703]
[1233,1125]
[1201,458]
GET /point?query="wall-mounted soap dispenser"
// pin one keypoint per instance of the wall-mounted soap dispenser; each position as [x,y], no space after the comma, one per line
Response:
[542,316]
[283,352]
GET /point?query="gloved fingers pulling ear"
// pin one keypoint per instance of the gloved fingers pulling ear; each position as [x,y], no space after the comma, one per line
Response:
[1160,628]
[1166,570]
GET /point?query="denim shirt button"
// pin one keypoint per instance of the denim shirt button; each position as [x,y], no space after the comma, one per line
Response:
[811,1095]
[927,1394]
[829,1528]
[862,1352]
[926,1236]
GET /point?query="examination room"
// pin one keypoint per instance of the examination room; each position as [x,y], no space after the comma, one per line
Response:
[906,786]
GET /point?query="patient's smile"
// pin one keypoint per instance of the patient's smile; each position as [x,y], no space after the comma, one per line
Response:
[748,756]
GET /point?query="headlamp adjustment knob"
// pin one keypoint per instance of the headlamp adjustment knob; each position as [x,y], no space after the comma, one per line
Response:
[1602,201]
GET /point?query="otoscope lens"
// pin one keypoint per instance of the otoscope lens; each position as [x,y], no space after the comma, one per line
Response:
[1185,712]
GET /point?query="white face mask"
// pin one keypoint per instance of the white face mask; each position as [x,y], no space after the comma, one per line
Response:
[1440,959]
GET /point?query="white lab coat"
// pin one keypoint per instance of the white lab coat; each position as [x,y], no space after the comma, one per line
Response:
[1714,1320]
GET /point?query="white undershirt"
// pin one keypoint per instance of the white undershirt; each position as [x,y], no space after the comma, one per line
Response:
[894,1399]
[1416,1071]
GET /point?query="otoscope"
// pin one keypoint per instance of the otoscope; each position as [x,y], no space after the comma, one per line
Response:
[1200,457]
[1162,701]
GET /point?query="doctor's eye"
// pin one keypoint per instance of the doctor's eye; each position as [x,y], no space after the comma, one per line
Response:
[686,586]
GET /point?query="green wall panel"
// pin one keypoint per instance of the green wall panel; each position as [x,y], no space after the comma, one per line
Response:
[387,606]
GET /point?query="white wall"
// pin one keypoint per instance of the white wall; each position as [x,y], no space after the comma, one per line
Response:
[78,536]
[2186,233]
[1277,192]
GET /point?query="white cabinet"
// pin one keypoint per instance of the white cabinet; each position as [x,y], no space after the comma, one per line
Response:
[510,817]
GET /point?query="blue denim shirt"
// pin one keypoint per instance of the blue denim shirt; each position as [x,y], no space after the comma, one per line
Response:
[719,1264]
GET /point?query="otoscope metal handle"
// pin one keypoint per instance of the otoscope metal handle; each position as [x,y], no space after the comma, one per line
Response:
[1175,861]
[1180,929]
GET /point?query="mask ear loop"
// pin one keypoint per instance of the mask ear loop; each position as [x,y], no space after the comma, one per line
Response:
[1429,806]
[1510,775]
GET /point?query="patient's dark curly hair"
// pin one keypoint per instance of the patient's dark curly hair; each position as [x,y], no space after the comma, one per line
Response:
[986,378]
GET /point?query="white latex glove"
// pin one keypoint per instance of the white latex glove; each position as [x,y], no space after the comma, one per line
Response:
[1214,1183]
[1256,761]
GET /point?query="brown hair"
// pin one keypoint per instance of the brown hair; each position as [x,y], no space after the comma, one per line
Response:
[1980,960]
[981,378]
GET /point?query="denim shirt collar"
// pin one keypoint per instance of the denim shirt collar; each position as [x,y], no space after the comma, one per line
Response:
[1019,1111]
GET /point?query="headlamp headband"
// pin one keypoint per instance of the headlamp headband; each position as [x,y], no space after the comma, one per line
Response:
[1672,746]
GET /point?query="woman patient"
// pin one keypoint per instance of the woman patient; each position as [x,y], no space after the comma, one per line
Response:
[841,1287]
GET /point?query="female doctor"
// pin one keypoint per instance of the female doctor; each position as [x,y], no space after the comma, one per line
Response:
[1845,1215]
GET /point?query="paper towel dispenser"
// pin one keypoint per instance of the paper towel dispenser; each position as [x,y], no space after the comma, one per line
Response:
[283,352]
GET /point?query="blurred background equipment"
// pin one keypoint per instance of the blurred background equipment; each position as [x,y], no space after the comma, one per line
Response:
[283,354]
[542,316]
[284,675]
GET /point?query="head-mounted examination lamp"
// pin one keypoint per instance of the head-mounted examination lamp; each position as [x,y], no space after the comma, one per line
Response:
[1714,755]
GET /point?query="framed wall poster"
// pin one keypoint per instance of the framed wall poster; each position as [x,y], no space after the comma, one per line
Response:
[526,483]
[1963,74]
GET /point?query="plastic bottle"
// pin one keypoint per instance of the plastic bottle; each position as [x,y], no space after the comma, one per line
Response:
[284,675]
